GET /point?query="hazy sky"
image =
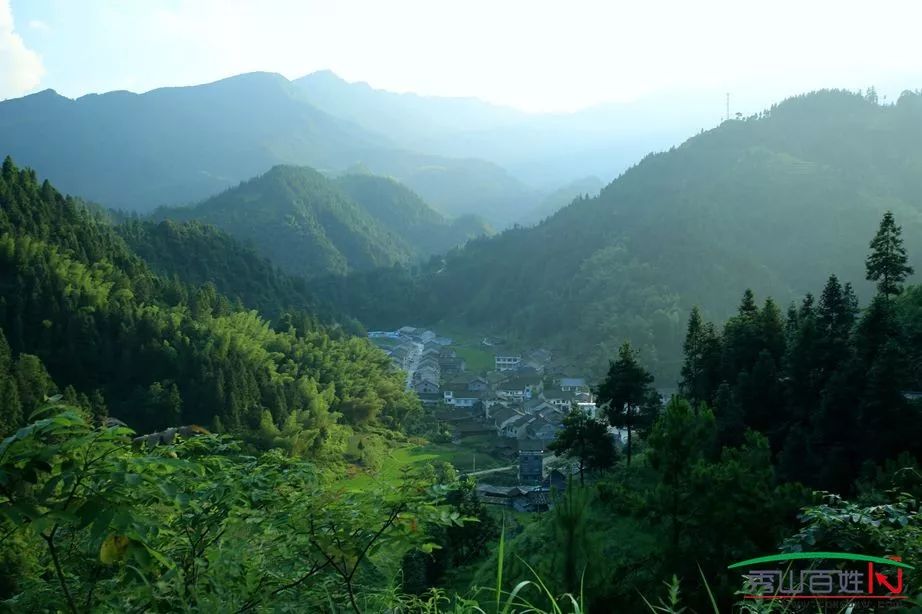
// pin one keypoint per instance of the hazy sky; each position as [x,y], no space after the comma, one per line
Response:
[534,55]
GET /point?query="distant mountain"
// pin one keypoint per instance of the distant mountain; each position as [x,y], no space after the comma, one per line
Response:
[311,225]
[179,145]
[561,197]
[545,150]
[774,202]
[404,118]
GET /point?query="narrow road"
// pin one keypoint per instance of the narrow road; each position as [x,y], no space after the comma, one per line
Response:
[486,471]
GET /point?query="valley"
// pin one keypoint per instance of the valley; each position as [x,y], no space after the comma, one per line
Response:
[296,342]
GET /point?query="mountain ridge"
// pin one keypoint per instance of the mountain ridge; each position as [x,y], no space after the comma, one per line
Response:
[311,225]
[179,145]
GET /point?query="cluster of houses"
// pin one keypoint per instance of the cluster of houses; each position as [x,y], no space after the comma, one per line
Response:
[530,498]
[523,404]
[522,400]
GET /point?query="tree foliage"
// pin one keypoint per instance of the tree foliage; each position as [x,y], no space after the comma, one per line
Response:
[886,263]
[163,353]
[587,440]
[627,395]
[195,525]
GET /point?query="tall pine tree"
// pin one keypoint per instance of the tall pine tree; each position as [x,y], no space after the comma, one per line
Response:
[626,394]
[886,264]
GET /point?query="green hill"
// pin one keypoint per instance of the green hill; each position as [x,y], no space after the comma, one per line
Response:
[310,225]
[403,213]
[775,202]
[301,221]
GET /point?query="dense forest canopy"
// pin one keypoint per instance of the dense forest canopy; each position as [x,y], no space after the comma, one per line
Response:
[163,352]
[198,253]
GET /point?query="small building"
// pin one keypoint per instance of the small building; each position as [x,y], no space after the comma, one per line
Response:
[452,365]
[552,414]
[478,384]
[536,500]
[426,386]
[536,405]
[490,401]
[503,416]
[543,429]
[507,363]
[515,429]
[520,387]
[560,398]
[574,384]
[500,495]
[429,360]
[460,396]
[531,461]
[427,372]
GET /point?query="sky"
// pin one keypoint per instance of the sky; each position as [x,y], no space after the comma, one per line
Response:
[533,55]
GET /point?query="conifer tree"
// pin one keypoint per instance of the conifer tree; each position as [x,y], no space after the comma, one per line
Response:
[886,264]
[701,366]
[835,318]
[587,440]
[626,393]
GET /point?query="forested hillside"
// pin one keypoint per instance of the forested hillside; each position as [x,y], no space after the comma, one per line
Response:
[157,352]
[774,202]
[299,219]
[179,145]
[197,254]
[791,432]
[403,213]
[311,226]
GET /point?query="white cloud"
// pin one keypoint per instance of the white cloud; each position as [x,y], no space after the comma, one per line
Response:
[38,24]
[21,68]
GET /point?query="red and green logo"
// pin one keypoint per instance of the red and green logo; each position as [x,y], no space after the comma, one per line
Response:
[823,575]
